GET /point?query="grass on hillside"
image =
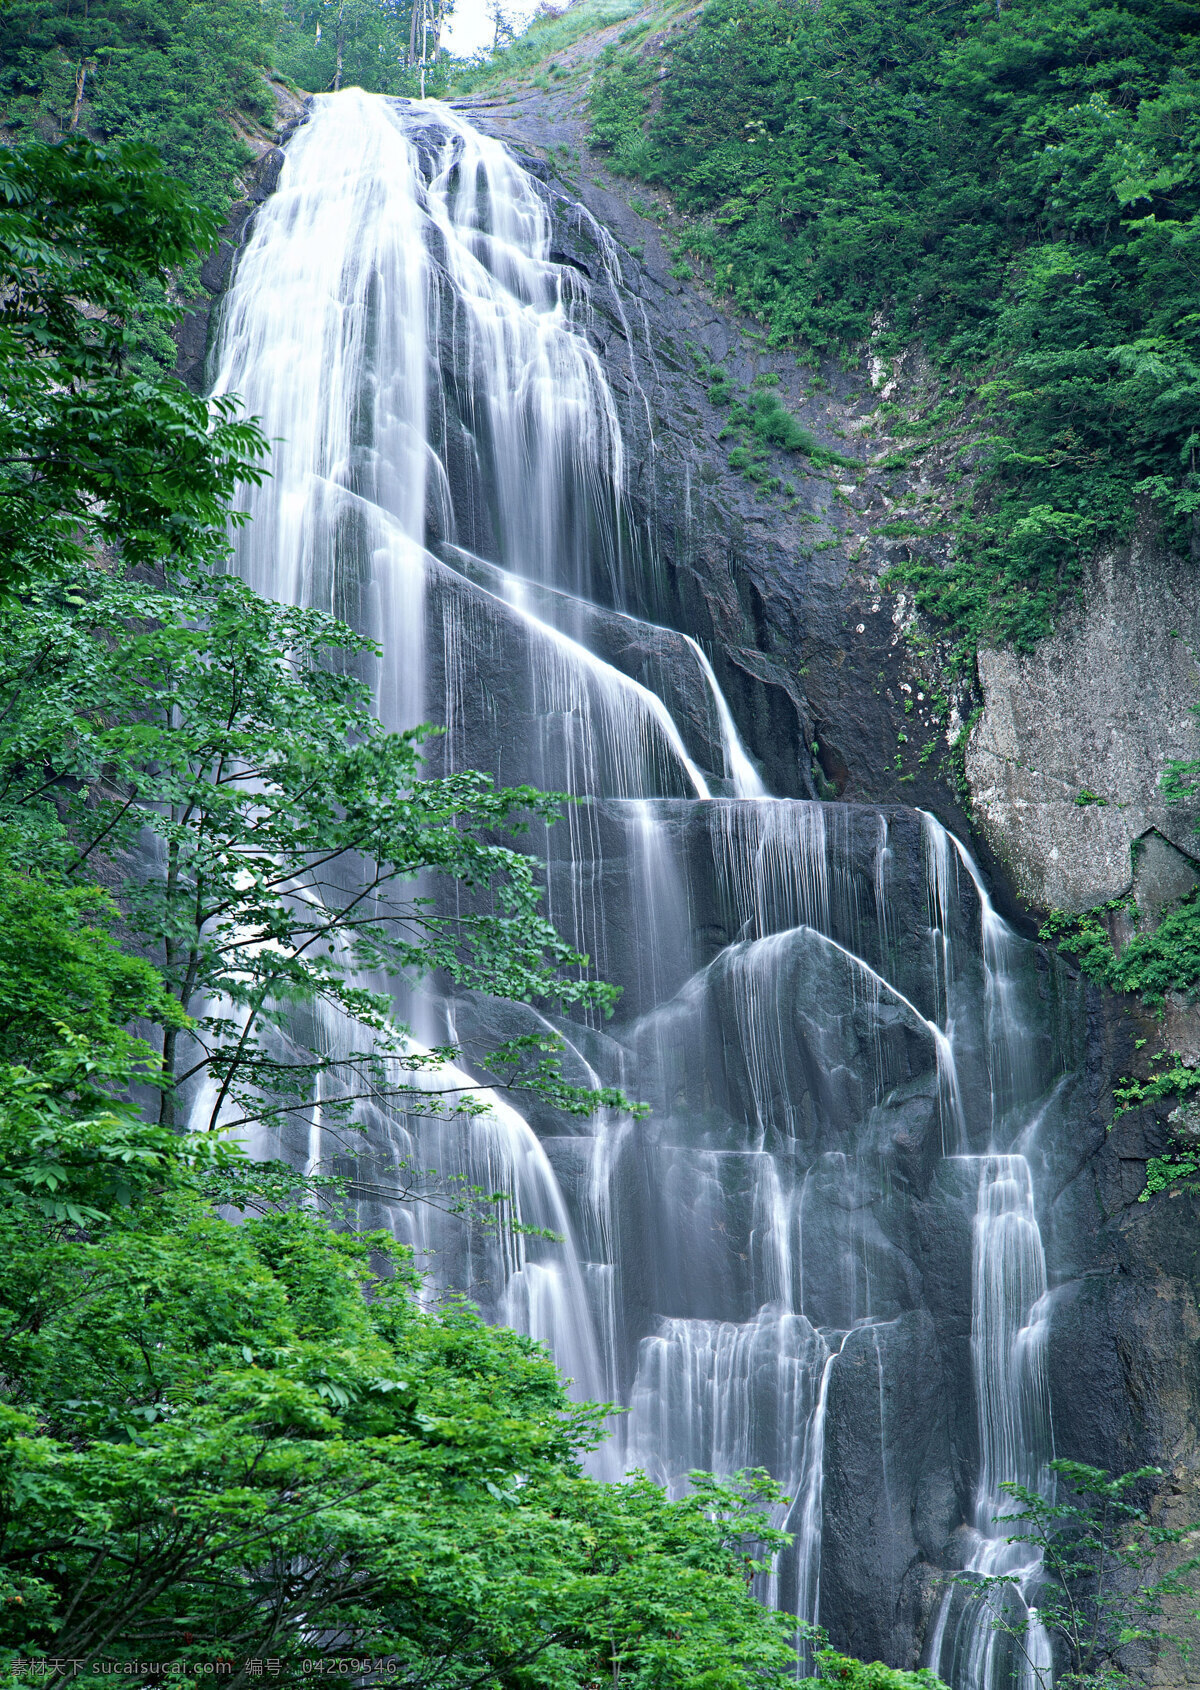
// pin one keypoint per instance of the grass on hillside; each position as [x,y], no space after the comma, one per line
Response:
[546,36]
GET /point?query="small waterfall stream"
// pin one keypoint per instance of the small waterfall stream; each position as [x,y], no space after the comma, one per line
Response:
[846,1051]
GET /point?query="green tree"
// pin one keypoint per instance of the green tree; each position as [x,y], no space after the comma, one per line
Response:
[168,73]
[291,828]
[102,452]
[61,966]
[226,1442]
[290,832]
[371,44]
[1105,1593]
[834,1668]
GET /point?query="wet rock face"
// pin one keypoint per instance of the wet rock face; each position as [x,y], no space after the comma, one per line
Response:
[782,976]
[1101,707]
[193,332]
[886,1514]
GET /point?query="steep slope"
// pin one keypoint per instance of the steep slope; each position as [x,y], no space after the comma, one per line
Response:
[861,683]
[1017,193]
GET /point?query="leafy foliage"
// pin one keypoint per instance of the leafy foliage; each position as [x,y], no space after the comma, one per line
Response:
[1101,1596]
[61,966]
[759,425]
[237,1442]
[1153,963]
[187,76]
[98,447]
[369,40]
[1017,186]
[252,1441]
[163,72]
[850,1674]
[288,829]
[1178,1169]
[1161,960]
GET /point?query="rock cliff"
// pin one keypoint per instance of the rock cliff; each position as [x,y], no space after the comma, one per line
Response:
[789,584]
[835,697]
[834,700]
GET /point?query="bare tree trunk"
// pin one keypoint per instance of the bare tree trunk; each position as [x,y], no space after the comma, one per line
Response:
[80,83]
[441,8]
[433,20]
[337,75]
[166,1102]
[417,6]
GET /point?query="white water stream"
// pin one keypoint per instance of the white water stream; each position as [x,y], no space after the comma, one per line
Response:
[450,475]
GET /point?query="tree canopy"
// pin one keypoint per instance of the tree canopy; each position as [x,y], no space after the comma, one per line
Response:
[100,448]
[227,1443]
[166,73]
[187,76]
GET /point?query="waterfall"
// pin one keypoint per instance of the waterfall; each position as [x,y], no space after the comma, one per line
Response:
[819,1002]
[1009,1325]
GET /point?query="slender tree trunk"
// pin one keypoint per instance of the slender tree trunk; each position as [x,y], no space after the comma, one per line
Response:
[166,1102]
[80,84]
[417,5]
[337,75]
[439,20]
[170,1039]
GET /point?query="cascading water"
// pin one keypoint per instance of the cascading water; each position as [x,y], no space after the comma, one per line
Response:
[997,1635]
[779,1266]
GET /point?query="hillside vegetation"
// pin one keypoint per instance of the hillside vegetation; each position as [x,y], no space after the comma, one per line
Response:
[1013,184]
[188,76]
[171,73]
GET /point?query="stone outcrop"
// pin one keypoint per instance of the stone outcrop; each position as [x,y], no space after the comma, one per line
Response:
[1065,761]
